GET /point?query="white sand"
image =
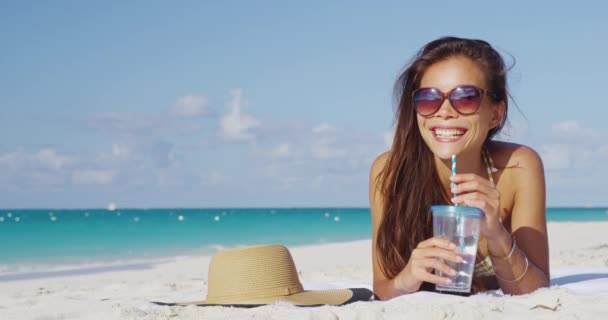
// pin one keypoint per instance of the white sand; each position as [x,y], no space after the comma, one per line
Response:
[579,262]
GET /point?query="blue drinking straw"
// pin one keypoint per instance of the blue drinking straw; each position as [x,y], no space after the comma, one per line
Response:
[459,221]
[454,173]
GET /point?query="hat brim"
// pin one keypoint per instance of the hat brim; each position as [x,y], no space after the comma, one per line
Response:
[304,299]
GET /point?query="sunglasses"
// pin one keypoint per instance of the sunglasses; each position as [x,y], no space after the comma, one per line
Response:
[464,99]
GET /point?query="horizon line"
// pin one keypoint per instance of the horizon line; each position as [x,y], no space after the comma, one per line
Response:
[254,207]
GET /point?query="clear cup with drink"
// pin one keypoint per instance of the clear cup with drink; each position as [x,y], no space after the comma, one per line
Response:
[460,225]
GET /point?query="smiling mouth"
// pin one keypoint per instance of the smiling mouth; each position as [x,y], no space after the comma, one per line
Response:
[448,133]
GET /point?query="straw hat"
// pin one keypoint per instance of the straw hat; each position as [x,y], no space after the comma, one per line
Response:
[260,275]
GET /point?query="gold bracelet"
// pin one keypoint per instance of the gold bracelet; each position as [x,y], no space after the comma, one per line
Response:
[520,277]
[507,257]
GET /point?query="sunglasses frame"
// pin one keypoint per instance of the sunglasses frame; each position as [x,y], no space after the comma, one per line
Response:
[446,95]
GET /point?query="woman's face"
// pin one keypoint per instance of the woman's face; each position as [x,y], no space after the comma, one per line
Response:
[447,132]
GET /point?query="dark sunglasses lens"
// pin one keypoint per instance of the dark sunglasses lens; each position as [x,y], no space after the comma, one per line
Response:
[465,100]
[427,101]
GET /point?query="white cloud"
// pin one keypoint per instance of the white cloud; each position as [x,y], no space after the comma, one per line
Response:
[565,156]
[236,125]
[324,143]
[285,175]
[574,147]
[90,176]
[10,160]
[571,129]
[44,169]
[324,128]
[321,157]
[50,159]
[46,158]
[190,106]
[556,156]
[325,148]
[49,169]
[146,150]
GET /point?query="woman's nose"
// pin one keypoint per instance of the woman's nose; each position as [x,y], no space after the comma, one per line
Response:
[446,110]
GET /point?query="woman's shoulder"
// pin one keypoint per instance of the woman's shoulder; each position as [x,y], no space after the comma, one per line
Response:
[381,160]
[513,155]
[379,164]
[375,197]
[376,169]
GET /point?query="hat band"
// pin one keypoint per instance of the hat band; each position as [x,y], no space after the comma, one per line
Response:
[259,294]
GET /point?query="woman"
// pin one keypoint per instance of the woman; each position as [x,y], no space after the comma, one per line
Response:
[453,100]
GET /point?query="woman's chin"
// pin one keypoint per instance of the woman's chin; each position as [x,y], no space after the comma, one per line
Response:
[445,153]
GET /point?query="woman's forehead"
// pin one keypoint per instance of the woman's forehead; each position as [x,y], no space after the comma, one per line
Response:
[451,72]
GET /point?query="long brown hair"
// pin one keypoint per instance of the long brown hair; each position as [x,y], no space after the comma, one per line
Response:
[409,182]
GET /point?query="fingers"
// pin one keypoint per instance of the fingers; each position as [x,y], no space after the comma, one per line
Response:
[435,252]
[429,277]
[485,206]
[475,191]
[422,271]
[465,177]
[436,242]
[476,186]
[438,265]
[469,198]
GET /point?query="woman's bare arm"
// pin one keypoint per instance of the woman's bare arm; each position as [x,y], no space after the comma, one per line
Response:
[384,288]
[529,228]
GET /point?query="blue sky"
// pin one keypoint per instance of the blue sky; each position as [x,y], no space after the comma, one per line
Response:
[269,103]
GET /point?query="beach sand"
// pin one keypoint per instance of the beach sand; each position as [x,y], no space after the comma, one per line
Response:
[579,265]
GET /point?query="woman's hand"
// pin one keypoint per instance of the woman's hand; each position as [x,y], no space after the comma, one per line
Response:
[475,191]
[424,259]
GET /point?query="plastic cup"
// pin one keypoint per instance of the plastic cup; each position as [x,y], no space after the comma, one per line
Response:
[461,226]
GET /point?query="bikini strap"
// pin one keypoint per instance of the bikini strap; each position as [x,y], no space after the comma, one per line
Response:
[489,164]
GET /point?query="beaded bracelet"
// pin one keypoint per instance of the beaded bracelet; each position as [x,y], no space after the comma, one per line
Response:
[520,277]
[507,257]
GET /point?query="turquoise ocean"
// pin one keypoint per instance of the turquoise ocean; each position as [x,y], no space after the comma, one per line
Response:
[43,239]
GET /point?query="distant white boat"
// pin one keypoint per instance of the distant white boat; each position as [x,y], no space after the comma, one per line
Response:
[111,206]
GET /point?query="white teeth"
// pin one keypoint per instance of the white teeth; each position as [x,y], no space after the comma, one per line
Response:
[448,133]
